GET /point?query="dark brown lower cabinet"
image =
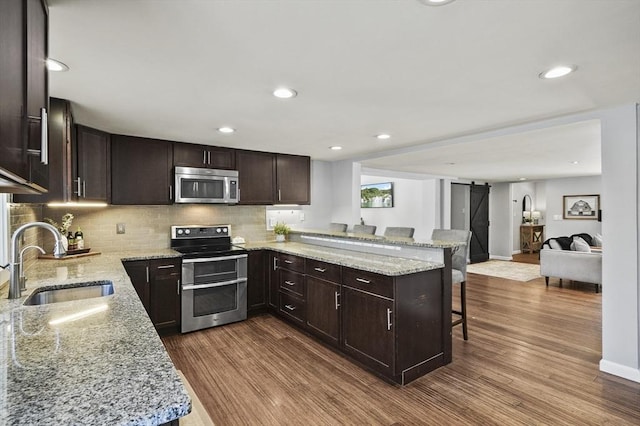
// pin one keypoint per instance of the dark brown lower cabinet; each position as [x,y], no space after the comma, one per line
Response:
[256,281]
[323,309]
[399,327]
[368,327]
[157,283]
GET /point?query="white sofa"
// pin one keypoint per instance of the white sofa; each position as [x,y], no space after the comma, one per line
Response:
[571,265]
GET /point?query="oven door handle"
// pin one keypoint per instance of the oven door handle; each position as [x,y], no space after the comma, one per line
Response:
[201,286]
[214,259]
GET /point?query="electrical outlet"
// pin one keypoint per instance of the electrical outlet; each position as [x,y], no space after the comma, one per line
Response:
[120,228]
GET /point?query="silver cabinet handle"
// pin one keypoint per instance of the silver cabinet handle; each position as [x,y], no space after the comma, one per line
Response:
[147,268]
[209,157]
[319,269]
[362,280]
[279,195]
[166,266]
[275,263]
[288,261]
[290,283]
[84,189]
[337,303]
[79,186]
[289,307]
[44,137]
[389,319]
[178,288]
[170,192]
[204,157]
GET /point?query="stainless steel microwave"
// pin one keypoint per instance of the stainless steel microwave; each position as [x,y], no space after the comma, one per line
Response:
[206,186]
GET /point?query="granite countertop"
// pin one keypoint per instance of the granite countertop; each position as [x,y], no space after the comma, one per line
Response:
[385,265]
[410,242]
[108,368]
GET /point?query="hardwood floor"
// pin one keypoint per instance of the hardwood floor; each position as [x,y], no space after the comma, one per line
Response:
[527,258]
[531,358]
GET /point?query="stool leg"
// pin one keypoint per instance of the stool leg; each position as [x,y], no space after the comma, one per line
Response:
[463,303]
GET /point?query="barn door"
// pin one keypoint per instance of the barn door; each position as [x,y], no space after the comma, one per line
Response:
[479,217]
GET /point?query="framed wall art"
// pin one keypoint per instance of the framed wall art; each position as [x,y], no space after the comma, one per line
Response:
[376,195]
[580,206]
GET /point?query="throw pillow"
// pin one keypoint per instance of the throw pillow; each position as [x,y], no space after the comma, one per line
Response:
[597,240]
[579,244]
[555,245]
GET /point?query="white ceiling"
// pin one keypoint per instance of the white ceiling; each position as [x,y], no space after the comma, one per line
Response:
[179,69]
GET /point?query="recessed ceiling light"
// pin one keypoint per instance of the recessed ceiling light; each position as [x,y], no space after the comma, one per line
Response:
[450,164]
[559,71]
[575,162]
[53,65]
[522,179]
[226,129]
[284,93]
[335,148]
[435,2]
[383,136]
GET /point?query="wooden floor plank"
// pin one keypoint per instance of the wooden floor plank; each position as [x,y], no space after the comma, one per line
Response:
[531,358]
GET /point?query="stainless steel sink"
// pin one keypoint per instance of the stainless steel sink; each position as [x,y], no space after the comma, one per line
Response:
[76,291]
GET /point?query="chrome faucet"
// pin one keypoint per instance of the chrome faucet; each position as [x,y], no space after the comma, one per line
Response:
[16,254]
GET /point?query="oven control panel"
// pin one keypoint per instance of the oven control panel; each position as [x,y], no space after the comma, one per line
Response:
[197,231]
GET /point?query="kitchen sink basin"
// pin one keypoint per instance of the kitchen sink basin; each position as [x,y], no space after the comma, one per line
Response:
[76,291]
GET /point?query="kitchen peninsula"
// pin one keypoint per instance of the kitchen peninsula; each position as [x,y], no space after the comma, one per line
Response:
[384,302]
[111,367]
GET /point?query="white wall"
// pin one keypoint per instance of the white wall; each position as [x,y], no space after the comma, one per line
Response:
[555,190]
[413,206]
[345,188]
[460,203]
[500,222]
[620,224]
[317,215]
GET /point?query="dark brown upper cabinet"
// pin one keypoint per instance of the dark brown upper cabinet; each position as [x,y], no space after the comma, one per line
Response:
[141,170]
[61,143]
[24,102]
[268,178]
[211,157]
[293,179]
[257,173]
[92,173]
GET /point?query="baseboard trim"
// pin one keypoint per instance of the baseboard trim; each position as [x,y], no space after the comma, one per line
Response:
[500,257]
[620,370]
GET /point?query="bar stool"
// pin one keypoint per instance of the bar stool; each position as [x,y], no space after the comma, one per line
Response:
[364,229]
[398,231]
[338,227]
[458,269]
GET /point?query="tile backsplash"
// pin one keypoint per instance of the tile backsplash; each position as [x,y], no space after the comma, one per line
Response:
[149,226]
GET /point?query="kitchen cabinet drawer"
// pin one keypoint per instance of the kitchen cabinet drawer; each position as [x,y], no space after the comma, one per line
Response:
[323,270]
[292,282]
[368,281]
[291,262]
[292,307]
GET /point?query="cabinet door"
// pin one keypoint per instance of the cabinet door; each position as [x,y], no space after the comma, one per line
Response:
[293,179]
[37,89]
[367,327]
[164,293]
[192,155]
[12,82]
[60,169]
[257,174]
[274,279]
[140,170]
[138,272]
[323,309]
[256,281]
[93,164]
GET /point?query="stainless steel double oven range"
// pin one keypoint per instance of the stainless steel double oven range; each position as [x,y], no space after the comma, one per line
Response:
[214,276]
